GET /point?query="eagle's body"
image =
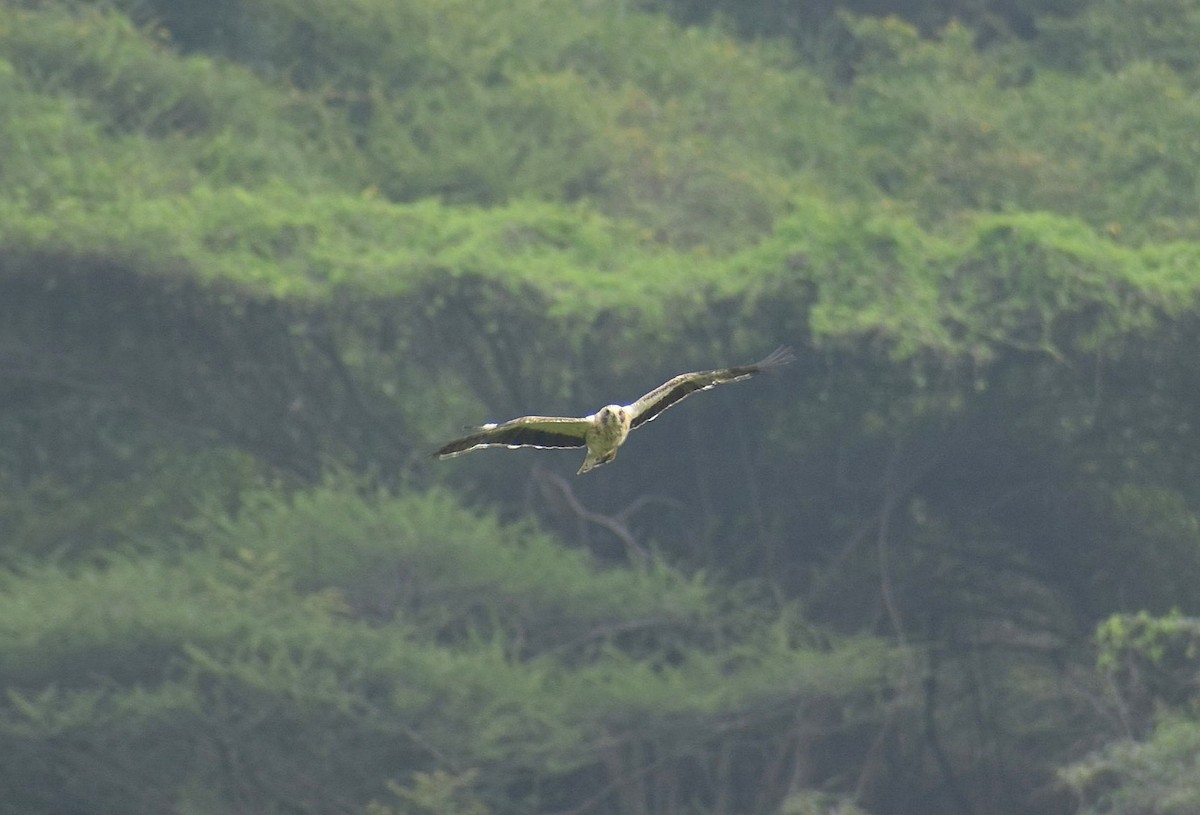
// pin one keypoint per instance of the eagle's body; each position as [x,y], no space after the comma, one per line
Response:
[610,427]
[604,431]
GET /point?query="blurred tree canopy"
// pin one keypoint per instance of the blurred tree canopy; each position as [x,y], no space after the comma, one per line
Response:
[258,258]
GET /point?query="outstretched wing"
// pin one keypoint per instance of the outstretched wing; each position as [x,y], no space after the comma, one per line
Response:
[527,431]
[673,390]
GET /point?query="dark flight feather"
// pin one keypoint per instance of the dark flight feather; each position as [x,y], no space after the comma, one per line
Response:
[527,431]
[673,390]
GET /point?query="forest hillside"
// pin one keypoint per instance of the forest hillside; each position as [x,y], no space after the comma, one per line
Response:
[259,258]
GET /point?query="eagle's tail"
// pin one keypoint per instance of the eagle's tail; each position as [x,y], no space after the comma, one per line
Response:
[593,461]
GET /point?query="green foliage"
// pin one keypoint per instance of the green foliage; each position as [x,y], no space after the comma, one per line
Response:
[1154,777]
[434,793]
[363,628]
[1111,35]
[1153,664]
[294,238]
[812,26]
[398,559]
[1147,637]
[1031,282]
[191,114]
[68,520]
[943,127]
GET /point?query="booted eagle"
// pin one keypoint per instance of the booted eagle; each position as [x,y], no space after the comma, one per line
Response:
[605,430]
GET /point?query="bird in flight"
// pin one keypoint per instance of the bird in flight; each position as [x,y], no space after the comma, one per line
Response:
[606,430]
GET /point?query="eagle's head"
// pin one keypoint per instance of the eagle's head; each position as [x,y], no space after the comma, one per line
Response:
[612,415]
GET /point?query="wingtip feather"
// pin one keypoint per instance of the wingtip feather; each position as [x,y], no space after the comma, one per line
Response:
[783,355]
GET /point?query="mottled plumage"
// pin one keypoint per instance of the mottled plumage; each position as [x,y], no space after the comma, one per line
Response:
[604,431]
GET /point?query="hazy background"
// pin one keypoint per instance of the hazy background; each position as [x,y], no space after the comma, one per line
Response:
[258,259]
